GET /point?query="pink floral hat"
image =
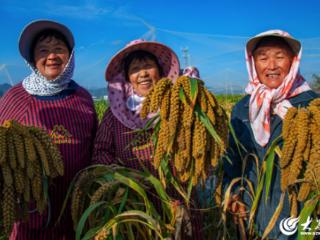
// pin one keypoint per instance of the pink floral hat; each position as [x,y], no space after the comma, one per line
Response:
[119,90]
[167,59]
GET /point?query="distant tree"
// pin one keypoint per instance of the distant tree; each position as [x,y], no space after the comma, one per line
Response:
[315,85]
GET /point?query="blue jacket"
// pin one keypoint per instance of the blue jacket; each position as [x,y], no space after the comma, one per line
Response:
[241,125]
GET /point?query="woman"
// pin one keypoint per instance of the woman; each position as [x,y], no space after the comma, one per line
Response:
[273,59]
[48,98]
[131,74]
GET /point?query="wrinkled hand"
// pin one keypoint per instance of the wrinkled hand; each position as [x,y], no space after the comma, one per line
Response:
[237,208]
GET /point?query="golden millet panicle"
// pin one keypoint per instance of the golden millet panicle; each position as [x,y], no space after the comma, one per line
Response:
[210,98]
[289,146]
[202,100]
[3,145]
[302,125]
[8,208]
[175,105]
[159,90]
[145,110]
[30,149]
[19,147]
[50,148]
[76,200]
[304,191]
[161,144]
[26,192]
[293,203]
[11,150]
[36,182]
[7,174]
[287,121]
[165,105]
[19,179]
[315,102]
[102,234]
[101,191]
[42,155]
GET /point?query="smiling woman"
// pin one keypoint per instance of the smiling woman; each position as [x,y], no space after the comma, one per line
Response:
[143,71]
[50,54]
[275,85]
[48,98]
[272,59]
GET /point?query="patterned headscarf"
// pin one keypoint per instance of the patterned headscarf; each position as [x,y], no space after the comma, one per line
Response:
[37,84]
[120,91]
[264,100]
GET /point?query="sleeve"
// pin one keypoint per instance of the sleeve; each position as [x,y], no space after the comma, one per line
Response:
[13,104]
[103,151]
[232,162]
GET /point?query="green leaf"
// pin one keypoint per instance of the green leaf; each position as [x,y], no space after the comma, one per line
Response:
[182,96]
[166,169]
[136,187]
[269,170]
[236,140]
[85,216]
[206,121]
[306,212]
[256,199]
[194,90]
[164,197]
[123,201]
[135,216]
[190,180]
[269,158]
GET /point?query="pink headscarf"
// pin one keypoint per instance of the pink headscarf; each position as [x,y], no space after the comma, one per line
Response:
[263,100]
[119,89]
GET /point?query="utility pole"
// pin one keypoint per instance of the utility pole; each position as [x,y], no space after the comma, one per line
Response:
[186,56]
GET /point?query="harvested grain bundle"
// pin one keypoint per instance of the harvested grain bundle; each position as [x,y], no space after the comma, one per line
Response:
[193,127]
[28,157]
[301,150]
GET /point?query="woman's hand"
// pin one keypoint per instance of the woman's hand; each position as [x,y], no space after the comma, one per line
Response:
[237,208]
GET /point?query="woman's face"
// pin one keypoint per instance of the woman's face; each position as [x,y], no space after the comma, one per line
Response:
[272,62]
[51,55]
[143,75]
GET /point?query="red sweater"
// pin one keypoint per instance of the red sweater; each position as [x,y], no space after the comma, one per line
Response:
[71,119]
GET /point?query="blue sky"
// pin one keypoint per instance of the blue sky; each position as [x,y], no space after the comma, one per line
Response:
[214,32]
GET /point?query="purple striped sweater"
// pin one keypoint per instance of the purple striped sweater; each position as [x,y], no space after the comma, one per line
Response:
[71,119]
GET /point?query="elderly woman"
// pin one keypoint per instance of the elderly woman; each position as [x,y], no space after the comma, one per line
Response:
[273,59]
[48,98]
[131,74]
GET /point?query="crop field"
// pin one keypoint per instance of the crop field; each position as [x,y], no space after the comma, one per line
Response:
[227,102]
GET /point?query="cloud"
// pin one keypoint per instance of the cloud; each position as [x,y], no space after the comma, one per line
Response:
[122,13]
[87,10]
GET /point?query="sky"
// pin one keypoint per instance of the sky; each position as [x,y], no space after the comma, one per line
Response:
[213,32]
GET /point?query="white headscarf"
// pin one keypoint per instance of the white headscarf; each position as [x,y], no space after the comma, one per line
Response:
[37,84]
